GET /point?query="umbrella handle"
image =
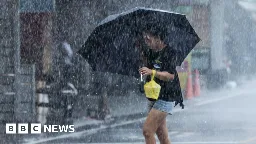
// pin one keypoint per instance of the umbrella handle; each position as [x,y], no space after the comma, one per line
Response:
[141,77]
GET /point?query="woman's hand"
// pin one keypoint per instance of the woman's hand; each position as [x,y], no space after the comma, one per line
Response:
[145,71]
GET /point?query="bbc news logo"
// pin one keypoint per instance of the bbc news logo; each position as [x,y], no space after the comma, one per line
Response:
[36,128]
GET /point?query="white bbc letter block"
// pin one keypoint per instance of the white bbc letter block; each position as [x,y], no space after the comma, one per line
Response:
[11,128]
[36,128]
[23,128]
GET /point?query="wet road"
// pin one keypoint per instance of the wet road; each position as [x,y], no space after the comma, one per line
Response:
[224,120]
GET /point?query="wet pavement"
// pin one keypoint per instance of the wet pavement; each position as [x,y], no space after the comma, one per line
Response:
[225,117]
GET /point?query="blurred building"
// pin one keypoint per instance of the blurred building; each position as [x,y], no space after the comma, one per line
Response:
[46,23]
[36,33]
[240,35]
[32,29]
[9,61]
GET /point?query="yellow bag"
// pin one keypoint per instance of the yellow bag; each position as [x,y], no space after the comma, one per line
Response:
[152,89]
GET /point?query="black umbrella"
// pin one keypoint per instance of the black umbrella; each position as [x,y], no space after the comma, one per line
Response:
[111,46]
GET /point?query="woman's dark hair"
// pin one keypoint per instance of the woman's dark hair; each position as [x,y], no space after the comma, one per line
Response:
[156,31]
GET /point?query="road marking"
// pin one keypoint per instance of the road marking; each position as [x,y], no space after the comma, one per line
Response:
[218,99]
[135,137]
[252,139]
[184,134]
[196,142]
[83,133]
[173,132]
[209,142]
[75,134]
[93,131]
[127,122]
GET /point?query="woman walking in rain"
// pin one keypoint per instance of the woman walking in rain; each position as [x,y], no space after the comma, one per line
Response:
[160,62]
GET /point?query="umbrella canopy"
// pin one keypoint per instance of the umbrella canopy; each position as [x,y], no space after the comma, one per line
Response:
[111,45]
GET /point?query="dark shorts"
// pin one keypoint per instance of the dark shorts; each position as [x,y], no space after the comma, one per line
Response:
[161,105]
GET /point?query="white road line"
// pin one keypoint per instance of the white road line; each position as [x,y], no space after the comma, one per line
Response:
[127,122]
[184,134]
[79,124]
[75,134]
[196,142]
[92,131]
[173,133]
[120,143]
[140,137]
[135,137]
[84,133]
[219,99]
[209,142]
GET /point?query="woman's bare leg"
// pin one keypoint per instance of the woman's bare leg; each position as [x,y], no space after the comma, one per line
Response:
[153,121]
[162,133]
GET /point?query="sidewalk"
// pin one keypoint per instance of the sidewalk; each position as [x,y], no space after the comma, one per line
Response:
[129,107]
